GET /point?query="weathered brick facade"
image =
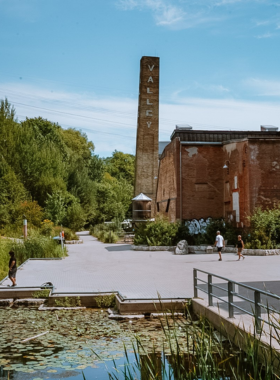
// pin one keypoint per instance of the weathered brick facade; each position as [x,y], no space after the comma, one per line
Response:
[225,174]
[147,129]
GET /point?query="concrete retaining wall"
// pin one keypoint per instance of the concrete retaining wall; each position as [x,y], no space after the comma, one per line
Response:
[202,248]
[192,248]
[261,252]
[152,248]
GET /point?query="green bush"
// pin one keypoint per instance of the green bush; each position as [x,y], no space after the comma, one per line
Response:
[47,227]
[265,229]
[4,257]
[35,246]
[44,293]
[106,301]
[68,302]
[107,233]
[158,233]
[110,237]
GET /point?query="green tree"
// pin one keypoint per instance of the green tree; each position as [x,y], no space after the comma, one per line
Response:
[114,199]
[121,166]
[75,217]
[12,193]
[55,209]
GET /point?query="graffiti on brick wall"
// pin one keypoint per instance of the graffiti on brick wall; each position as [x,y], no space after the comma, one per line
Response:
[197,226]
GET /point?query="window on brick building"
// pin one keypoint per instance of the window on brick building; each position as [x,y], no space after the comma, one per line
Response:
[157,206]
[167,206]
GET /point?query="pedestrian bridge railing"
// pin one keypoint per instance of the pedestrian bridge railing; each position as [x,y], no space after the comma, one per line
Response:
[240,298]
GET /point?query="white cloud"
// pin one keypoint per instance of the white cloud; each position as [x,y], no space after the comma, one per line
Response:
[265,35]
[111,122]
[169,15]
[226,2]
[264,87]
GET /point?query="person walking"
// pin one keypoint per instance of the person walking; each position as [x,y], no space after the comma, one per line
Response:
[12,267]
[240,247]
[219,243]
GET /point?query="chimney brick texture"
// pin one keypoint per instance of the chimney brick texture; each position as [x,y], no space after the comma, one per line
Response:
[146,170]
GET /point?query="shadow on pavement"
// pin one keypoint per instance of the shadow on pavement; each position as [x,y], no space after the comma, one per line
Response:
[126,247]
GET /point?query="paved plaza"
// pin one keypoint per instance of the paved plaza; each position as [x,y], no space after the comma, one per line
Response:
[97,267]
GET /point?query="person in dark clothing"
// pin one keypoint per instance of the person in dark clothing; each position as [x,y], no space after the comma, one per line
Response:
[240,247]
[12,268]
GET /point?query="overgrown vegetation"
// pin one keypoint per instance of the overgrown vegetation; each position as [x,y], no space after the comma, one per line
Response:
[157,233]
[208,356]
[265,229]
[47,172]
[68,302]
[106,301]
[35,246]
[44,293]
[107,233]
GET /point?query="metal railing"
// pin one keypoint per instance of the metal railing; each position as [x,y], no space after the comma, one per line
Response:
[256,304]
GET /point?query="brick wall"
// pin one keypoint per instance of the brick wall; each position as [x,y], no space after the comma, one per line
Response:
[202,181]
[167,189]
[264,173]
[251,179]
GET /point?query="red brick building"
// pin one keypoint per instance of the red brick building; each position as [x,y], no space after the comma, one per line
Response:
[218,174]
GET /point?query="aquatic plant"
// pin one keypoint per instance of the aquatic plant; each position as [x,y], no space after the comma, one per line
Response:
[209,356]
[68,302]
[44,293]
[106,301]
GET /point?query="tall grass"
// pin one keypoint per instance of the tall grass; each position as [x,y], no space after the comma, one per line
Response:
[209,356]
[35,246]
[107,233]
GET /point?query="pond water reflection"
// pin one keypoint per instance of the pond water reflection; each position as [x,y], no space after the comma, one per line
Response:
[87,343]
[78,340]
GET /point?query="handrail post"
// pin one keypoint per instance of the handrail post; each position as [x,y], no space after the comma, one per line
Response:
[195,283]
[257,297]
[230,300]
[210,289]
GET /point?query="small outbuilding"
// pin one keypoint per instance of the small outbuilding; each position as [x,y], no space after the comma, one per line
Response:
[141,208]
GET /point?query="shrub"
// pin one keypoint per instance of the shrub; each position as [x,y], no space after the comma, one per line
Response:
[110,237]
[68,233]
[4,257]
[107,233]
[158,233]
[265,228]
[75,217]
[106,301]
[36,246]
[47,228]
[32,211]
[68,302]
[44,293]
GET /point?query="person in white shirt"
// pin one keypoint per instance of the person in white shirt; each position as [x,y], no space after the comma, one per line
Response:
[219,243]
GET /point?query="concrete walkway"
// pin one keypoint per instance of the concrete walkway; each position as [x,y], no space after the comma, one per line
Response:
[97,267]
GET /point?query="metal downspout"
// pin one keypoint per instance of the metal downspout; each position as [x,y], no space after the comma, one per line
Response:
[180,182]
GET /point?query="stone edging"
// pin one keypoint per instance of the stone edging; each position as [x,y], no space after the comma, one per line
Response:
[152,248]
[203,248]
[191,248]
[261,252]
[74,241]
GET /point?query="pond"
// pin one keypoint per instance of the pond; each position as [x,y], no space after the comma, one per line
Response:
[87,344]
[78,341]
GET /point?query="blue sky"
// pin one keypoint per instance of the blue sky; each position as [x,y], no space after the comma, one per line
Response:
[77,63]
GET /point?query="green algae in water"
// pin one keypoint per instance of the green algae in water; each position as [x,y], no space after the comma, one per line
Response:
[76,339]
